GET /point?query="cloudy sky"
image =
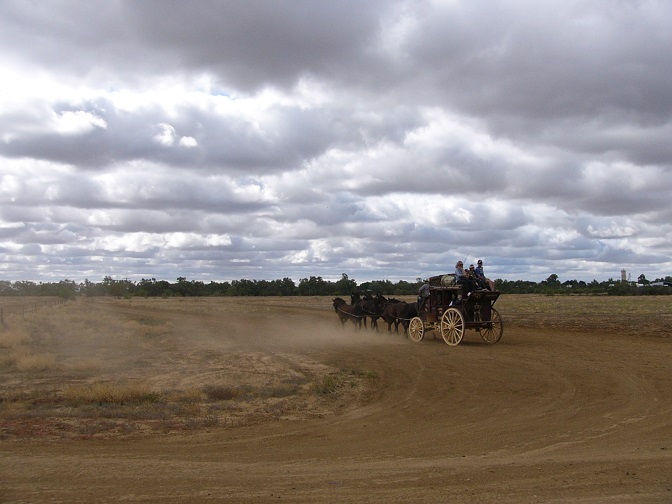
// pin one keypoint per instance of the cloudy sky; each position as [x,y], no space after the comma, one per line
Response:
[222,140]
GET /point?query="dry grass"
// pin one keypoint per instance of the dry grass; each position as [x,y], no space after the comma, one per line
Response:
[17,351]
[638,315]
[133,367]
[33,362]
[11,337]
[110,393]
[120,368]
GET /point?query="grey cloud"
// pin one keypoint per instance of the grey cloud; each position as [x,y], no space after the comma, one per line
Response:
[250,43]
[125,138]
[223,143]
[538,131]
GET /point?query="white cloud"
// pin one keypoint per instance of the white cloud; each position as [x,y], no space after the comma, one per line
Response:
[187,141]
[75,122]
[166,135]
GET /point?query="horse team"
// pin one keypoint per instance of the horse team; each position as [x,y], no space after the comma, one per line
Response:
[392,311]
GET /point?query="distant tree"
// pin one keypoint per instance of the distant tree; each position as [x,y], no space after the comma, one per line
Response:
[7,289]
[287,287]
[403,288]
[26,288]
[622,289]
[89,288]
[345,286]
[314,286]
[245,287]
[181,287]
[552,281]
[67,289]
[378,287]
[116,288]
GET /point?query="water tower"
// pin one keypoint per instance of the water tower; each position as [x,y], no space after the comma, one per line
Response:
[624,277]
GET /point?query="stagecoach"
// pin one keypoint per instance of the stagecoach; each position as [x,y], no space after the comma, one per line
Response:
[450,309]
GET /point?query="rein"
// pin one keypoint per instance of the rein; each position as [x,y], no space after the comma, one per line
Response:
[349,314]
[370,313]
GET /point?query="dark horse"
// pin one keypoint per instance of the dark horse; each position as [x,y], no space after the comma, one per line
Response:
[346,312]
[399,313]
[371,307]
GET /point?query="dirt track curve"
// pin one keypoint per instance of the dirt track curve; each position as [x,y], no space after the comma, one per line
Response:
[543,416]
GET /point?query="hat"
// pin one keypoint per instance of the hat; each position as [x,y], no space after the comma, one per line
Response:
[480,261]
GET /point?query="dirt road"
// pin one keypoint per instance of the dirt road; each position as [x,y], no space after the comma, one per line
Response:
[543,416]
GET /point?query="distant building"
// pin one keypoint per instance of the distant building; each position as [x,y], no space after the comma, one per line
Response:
[624,276]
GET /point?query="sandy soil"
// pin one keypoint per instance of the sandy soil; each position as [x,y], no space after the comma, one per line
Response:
[549,414]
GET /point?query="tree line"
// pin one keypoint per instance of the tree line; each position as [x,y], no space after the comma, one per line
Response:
[314,286]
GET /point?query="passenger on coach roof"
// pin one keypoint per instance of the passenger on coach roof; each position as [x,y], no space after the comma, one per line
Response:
[480,274]
[462,278]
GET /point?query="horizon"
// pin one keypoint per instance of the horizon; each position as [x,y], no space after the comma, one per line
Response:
[630,278]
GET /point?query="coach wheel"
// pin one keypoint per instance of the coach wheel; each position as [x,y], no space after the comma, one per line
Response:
[416,329]
[492,331]
[452,326]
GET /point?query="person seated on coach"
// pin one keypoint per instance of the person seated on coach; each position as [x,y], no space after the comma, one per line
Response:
[471,273]
[462,278]
[480,274]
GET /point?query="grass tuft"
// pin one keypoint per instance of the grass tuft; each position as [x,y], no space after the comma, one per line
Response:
[111,393]
[327,385]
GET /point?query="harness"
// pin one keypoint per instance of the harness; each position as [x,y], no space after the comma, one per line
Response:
[350,314]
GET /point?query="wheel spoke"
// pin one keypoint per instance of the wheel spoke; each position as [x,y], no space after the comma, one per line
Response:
[493,331]
[452,326]
[416,329]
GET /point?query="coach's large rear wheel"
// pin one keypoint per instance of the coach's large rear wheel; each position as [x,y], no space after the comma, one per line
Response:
[492,331]
[452,326]
[416,329]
